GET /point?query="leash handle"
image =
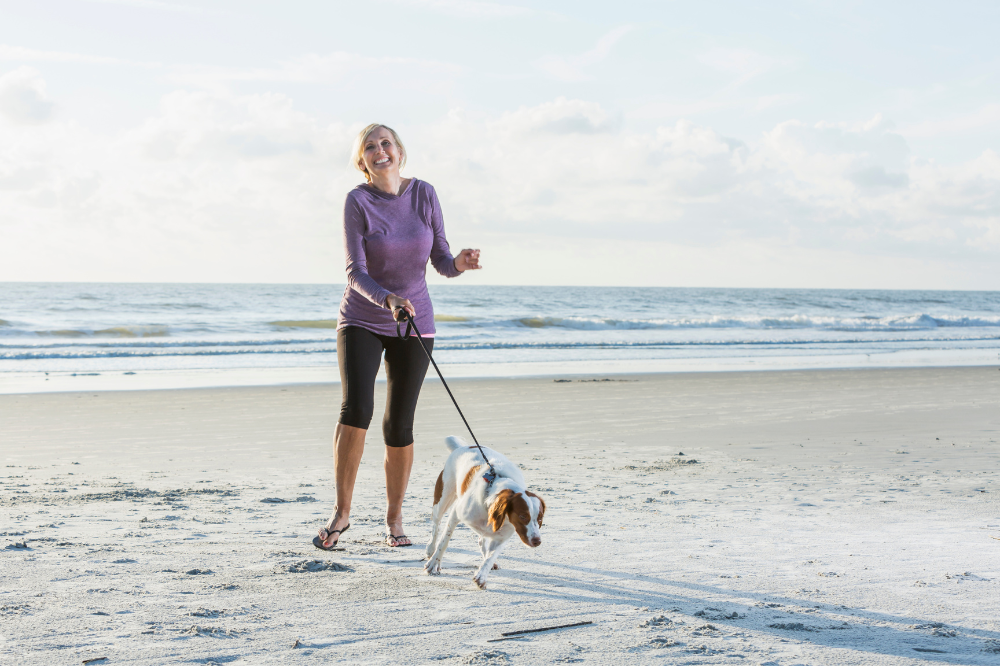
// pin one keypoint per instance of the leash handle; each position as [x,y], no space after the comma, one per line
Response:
[396,316]
[400,314]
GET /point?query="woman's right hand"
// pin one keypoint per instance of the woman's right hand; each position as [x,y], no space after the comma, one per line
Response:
[392,301]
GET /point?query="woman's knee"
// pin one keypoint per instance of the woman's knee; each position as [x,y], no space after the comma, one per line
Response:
[397,434]
[357,413]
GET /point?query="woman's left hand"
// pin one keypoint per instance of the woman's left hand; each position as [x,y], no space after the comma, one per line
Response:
[467,260]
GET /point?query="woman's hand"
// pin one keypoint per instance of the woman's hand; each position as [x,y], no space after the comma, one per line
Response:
[467,260]
[392,301]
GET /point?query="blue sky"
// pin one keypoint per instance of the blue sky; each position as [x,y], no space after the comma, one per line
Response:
[813,144]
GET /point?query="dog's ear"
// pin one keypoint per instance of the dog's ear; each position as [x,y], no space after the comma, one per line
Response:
[498,512]
[541,507]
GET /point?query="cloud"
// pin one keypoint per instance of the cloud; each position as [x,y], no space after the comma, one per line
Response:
[562,116]
[22,97]
[246,187]
[213,184]
[831,186]
[875,177]
[571,68]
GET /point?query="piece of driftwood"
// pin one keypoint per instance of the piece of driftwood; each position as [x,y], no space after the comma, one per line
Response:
[508,635]
[91,661]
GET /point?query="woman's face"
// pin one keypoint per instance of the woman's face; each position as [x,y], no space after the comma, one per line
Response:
[381,154]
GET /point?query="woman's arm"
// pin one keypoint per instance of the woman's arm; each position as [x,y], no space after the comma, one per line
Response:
[441,257]
[357,262]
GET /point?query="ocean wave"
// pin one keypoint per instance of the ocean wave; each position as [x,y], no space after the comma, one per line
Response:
[133,351]
[133,332]
[449,318]
[149,353]
[113,332]
[166,344]
[845,324]
[305,323]
[4,322]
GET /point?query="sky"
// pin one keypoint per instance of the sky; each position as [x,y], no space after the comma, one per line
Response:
[821,144]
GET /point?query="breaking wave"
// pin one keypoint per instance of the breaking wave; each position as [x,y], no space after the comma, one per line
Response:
[112,332]
[328,346]
[894,323]
[305,323]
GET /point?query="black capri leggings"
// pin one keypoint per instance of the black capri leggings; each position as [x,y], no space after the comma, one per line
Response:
[359,353]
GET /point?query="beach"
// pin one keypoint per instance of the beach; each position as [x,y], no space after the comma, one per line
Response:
[795,517]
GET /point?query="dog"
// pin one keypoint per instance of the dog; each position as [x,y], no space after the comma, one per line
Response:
[495,511]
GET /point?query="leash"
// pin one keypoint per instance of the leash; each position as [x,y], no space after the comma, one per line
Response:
[491,475]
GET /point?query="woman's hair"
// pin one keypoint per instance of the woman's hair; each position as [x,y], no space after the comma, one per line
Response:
[358,152]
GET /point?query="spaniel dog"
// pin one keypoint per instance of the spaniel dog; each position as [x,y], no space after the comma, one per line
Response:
[496,511]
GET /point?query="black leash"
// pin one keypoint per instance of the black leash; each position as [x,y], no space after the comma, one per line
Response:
[491,475]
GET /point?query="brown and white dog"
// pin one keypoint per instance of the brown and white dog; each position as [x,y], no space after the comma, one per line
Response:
[496,511]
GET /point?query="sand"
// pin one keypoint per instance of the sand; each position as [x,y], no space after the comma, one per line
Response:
[820,517]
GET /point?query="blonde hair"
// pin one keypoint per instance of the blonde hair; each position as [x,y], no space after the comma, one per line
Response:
[358,152]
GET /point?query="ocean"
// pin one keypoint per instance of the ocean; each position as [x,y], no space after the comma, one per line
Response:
[107,330]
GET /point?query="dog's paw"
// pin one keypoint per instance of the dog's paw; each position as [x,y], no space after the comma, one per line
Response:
[480,581]
[432,568]
[495,566]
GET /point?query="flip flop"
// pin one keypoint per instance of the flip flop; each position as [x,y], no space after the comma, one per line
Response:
[397,539]
[325,534]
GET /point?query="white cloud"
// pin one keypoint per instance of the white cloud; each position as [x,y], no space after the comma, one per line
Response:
[830,186]
[572,68]
[22,97]
[222,186]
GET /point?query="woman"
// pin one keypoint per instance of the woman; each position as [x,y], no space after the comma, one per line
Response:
[392,226]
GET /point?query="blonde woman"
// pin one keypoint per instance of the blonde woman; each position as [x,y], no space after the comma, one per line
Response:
[392,226]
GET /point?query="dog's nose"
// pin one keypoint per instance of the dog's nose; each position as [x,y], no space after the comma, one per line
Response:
[536,541]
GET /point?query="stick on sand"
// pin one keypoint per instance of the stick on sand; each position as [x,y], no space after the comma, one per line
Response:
[513,634]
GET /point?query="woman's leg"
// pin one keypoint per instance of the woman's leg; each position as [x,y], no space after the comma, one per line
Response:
[398,463]
[359,354]
[405,365]
[348,446]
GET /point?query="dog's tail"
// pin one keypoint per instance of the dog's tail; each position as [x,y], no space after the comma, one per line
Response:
[454,442]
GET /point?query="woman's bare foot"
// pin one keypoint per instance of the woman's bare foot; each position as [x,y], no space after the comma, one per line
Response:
[334,527]
[394,534]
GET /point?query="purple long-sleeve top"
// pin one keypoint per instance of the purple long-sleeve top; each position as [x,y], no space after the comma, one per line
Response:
[388,240]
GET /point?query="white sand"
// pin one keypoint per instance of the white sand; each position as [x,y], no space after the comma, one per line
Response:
[832,517]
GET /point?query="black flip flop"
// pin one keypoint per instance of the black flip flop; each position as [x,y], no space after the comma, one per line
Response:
[318,540]
[397,538]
